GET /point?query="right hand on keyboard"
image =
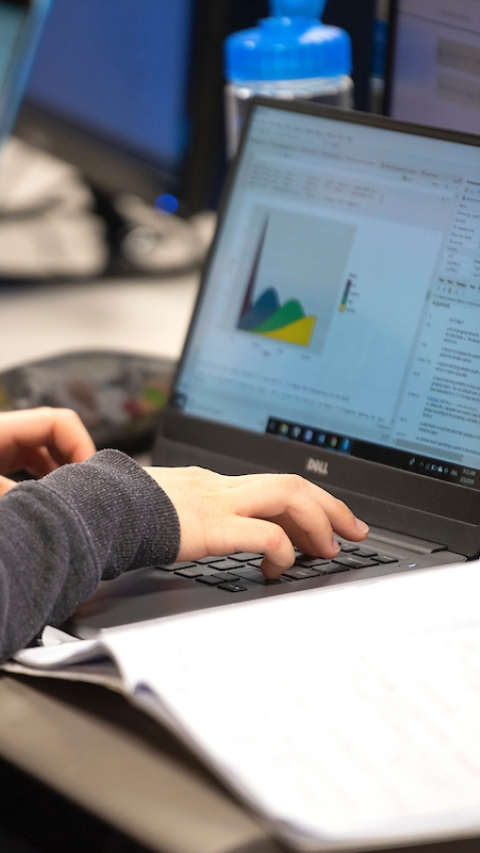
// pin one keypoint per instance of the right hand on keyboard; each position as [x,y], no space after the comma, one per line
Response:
[264,513]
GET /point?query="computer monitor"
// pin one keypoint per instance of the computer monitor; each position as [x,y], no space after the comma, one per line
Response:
[130,92]
[21,23]
[433,72]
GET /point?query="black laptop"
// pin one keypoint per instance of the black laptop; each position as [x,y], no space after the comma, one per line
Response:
[336,335]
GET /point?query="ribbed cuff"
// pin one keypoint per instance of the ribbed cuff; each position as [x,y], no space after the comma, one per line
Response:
[128,519]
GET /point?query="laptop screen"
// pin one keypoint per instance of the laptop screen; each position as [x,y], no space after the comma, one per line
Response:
[341,306]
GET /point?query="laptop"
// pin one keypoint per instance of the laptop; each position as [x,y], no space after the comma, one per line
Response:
[21,24]
[336,335]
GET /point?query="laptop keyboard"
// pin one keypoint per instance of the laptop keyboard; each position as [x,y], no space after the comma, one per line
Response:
[228,574]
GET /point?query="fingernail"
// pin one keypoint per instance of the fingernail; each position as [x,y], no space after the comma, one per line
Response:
[335,545]
[361,526]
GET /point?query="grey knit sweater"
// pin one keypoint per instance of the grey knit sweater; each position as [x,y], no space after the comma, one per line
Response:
[61,535]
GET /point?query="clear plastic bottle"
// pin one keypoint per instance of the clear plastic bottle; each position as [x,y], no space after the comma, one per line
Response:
[289,55]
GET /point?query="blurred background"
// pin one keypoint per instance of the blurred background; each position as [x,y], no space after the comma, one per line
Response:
[130,94]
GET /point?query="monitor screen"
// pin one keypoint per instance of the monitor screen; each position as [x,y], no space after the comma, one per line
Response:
[434,69]
[21,23]
[131,91]
[116,89]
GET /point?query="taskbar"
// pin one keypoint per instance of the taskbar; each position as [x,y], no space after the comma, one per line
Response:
[439,469]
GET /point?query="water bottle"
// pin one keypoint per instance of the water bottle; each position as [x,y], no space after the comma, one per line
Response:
[289,55]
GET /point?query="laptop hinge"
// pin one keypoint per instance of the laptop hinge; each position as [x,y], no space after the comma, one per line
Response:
[418,546]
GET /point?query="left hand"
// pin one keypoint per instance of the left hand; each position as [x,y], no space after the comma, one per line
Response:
[39,441]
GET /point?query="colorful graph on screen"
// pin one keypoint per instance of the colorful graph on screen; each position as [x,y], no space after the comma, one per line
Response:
[267,316]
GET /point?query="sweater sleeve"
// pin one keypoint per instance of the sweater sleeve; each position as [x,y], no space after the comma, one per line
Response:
[61,535]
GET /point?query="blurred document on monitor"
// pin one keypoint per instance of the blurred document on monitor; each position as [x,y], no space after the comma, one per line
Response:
[436,66]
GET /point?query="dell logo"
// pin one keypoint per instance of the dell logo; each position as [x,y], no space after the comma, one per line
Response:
[315,466]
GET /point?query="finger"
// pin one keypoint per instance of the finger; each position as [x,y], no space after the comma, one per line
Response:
[70,440]
[36,461]
[310,511]
[329,546]
[6,485]
[258,536]
[59,430]
[310,528]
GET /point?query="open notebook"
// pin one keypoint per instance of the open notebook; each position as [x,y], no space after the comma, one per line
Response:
[336,335]
[346,718]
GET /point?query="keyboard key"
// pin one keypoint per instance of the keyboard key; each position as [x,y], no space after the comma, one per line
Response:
[225,577]
[297,573]
[256,562]
[245,557]
[385,558]
[174,567]
[232,587]
[211,580]
[354,562]
[348,547]
[225,565]
[333,568]
[310,562]
[207,560]
[215,580]
[256,576]
[190,573]
[365,552]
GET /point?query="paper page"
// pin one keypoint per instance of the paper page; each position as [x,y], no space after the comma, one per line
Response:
[54,656]
[345,716]
[69,659]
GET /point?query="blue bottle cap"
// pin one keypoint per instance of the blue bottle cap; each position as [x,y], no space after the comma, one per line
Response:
[297,8]
[288,48]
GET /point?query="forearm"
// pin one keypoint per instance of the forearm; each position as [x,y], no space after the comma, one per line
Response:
[60,536]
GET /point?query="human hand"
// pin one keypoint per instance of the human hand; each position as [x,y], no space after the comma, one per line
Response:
[40,440]
[263,513]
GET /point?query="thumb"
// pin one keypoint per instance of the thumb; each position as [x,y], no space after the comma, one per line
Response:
[6,485]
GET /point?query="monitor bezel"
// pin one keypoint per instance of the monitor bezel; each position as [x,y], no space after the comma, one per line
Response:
[35,15]
[116,168]
[390,57]
[442,512]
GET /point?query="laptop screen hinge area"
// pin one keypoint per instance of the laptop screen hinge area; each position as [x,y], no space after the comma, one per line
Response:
[400,540]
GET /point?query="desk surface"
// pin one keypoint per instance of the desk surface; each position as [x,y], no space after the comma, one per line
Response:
[145,316]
